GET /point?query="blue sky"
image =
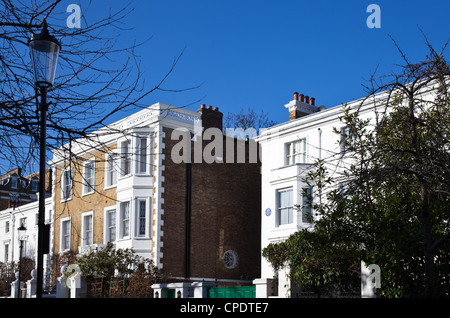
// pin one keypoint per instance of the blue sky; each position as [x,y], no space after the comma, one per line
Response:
[257,53]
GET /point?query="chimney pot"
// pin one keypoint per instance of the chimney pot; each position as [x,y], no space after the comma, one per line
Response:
[203,105]
[295,96]
[313,101]
[302,97]
[307,99]
[216,109]
[209,107]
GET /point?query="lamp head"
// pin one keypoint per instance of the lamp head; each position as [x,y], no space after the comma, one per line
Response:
[44,50]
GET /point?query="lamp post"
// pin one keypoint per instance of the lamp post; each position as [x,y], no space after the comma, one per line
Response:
[44,49]
[21,231]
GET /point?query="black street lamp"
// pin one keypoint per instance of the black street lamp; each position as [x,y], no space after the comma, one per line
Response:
[21,231]
[44,49]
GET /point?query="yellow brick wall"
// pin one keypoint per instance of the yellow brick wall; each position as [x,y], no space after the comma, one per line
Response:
[80,203]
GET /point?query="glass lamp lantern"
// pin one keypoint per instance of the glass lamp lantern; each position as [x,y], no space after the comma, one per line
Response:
[22,231]
[44,49]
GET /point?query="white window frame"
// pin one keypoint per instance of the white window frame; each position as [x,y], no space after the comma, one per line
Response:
[125,158]
[124,220]
[6,248]
[6,251]
[63,235]
[111,170]
[296,152]
[107,226]
[280,209]
[143,167]
[64,185]
[87,230]
[142,218]
[88,184]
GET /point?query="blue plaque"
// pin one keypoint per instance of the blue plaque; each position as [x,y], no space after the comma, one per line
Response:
[268,211]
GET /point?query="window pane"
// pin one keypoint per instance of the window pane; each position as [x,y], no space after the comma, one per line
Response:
[125,206]
[67,184]
[88,229]
[65,244]
[285,206]
[296,152]
[112,225]
[126,169]
[285,198]
[34,185]
[142,155]
[89,177]
[111,177]
[142,213]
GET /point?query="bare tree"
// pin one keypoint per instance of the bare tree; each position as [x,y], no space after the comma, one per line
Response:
[248,119]
[86,92]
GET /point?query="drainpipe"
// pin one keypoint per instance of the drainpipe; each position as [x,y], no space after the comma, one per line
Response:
[320,143]
[187,231]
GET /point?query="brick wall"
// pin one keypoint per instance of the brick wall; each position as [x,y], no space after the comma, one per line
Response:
[80,203]
[225,214]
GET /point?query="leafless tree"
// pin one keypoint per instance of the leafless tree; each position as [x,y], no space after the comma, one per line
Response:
[248,119]
[97,77]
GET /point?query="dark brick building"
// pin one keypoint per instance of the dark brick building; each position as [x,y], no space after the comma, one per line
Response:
[211,214]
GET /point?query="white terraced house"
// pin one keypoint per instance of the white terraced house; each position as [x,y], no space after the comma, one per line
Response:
[289,151]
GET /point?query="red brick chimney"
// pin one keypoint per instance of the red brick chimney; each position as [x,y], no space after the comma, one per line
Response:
[301,106]
[210,117]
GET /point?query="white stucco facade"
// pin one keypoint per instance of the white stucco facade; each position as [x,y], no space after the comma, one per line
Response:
[284,203]
[10,220]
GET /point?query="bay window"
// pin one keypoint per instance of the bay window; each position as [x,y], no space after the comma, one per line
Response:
[125,219]
[111,225]
[296,152]
[285,206]
[125,159]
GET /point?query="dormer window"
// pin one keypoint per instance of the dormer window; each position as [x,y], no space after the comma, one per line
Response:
[14,182]
[34,185]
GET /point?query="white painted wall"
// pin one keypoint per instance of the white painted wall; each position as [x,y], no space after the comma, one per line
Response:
[321,143]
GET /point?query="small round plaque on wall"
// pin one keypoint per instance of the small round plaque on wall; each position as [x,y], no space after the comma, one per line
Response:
[268,211]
